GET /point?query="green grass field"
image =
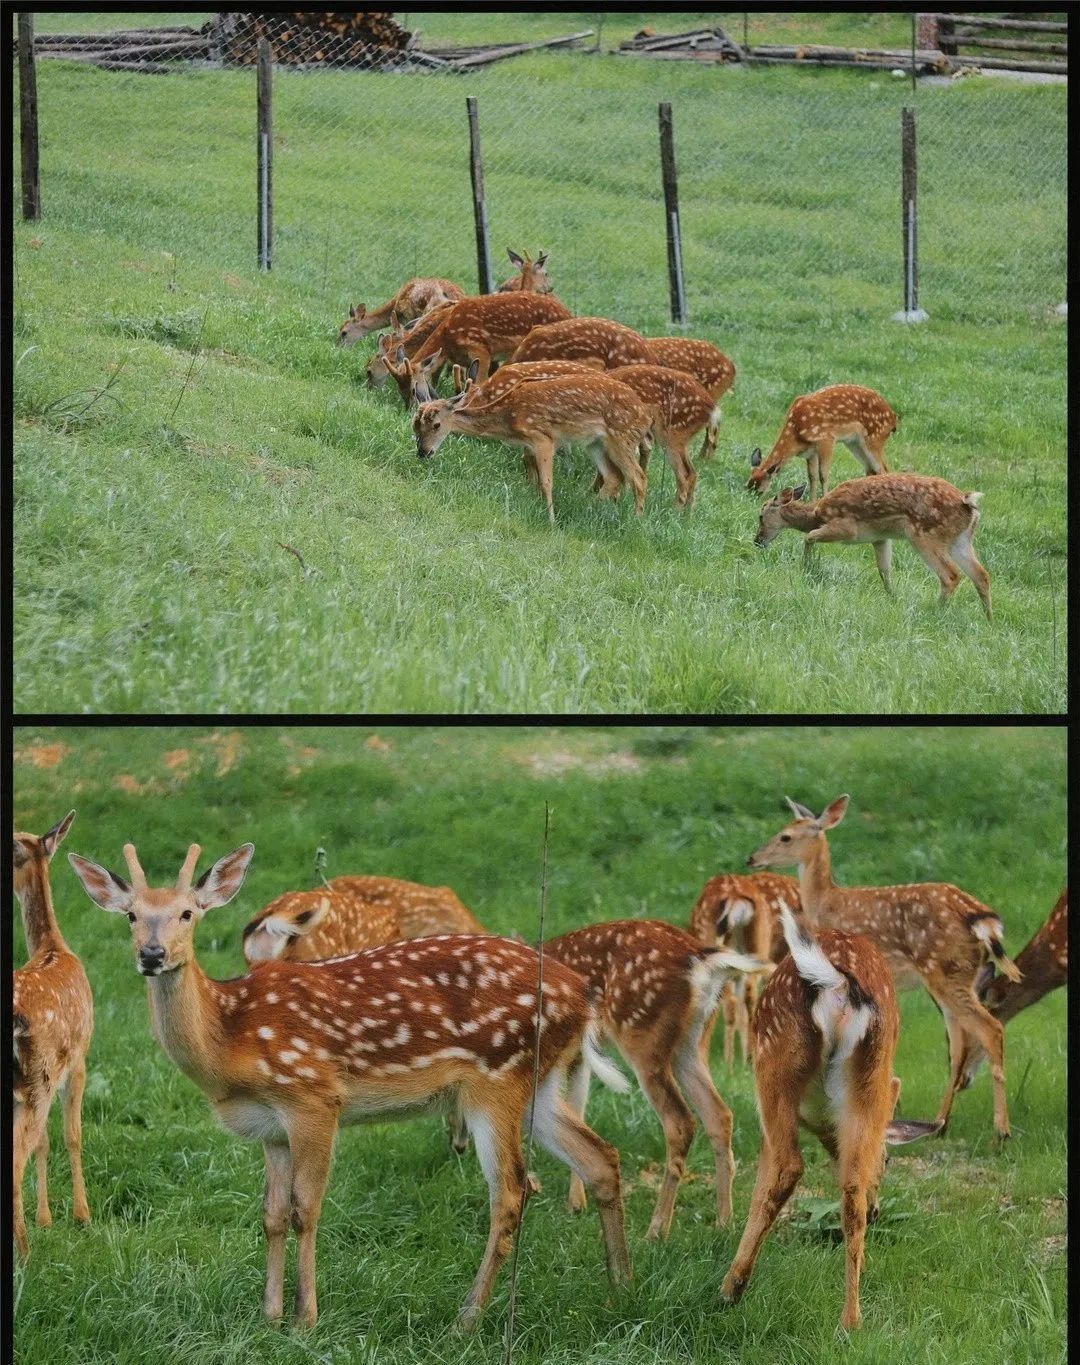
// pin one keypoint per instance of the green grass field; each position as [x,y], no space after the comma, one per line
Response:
[968,1258]
[180,416]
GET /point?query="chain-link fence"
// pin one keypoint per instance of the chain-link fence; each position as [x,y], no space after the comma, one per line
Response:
[789,179]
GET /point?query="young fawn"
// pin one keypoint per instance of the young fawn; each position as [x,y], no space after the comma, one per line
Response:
[52,1022]
[415,298]
[489,328]
[824,1036]
[858,417]
[932,515]
[543,413]
[743,913]
[532,276]
[1044,963]
[410,336]
[584,339]
[679,408]
[930,932]
[293,1049]
[657,991]
[706,362]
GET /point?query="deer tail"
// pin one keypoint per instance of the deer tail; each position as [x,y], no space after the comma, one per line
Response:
[602,1067]
[988,929]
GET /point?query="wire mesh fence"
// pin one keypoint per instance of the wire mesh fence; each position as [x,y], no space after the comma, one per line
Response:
[789,180]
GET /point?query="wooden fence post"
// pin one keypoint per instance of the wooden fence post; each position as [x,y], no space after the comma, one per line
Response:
[264,78]
[28,119]
[671,216]
[483,249]
[911,312]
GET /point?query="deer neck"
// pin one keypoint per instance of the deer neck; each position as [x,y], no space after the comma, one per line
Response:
[39,921]
[803,516]
[815,877]
[186,1019]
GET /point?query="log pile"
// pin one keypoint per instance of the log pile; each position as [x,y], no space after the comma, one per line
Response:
[927,62]
[362,38]
[988,38]
[148,50]
[698,45]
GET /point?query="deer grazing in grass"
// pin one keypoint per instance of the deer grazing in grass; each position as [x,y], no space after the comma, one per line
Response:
[489,328]
[584,339]
[415,298]
[544,413]
[858,417]
[657,991]
[930,932]
[706,362]
[931,514]
[824,1036]
[293,1049]
[743,913]
[52,1023]
[532,277]
[679,408]
[410,337]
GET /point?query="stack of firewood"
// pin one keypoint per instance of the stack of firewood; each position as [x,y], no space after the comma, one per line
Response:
[300,37]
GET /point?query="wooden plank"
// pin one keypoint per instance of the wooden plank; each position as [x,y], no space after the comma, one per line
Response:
[265,153]
[908,210]
[1031,26]
[28,121]
[476,167]
[1010,44]
[497,54]
[670,182]
[1006,64]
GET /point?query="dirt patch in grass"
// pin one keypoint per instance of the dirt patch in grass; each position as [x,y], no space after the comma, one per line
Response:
[227,747]
[560,761]
[42,755]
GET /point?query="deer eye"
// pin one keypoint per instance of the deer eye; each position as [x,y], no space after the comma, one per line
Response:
[785,838]
[131,916]
[185,914]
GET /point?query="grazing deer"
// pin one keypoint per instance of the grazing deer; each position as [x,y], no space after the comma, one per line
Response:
[415,298]
[489,328]
[743,913]
[1044,963]
[706,362]
[543,413]
[930,932]
[931,514]
[584,338]
[52,1022]
[858,417]
[291,1050]
[656,991]
[679,408]
[532,277]
[824,1037]
[411,336]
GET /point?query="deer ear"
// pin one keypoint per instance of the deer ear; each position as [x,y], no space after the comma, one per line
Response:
[833,813]
[799,492]
[474,370]
[352,313]
[755,457]
[786,494]
[103,887]
[393,320]
[801,811]
[52,839]
[514,258]
[432,362]
[399,355]
[220,883]
[542,258]
[899,1131]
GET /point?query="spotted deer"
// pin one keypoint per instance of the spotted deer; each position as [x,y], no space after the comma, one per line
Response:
[858,417]
[679,408]
[743,913]
[933,516]
[52,1023]
[543,413]
[706,362]
[410,337]
[531,277]
[656,991]
[584,338]
[415,298]
[930,933]
[293,1049]
[489,328]
[824,1037]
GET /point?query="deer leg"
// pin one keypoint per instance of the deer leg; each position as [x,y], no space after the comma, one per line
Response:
[28,1125]
[731,1009]
[964,556]
[577,1096]
[853,1221]
[459,1132]
[685,475]
[989,1033]
[311,1143]
[619,446]
[937,560]
[276,1206]
[742,1017]
[483,356]
[72,1102]
[958,1044]
[497,1136]
[543,453]
[43,1217]
[883,555]
[780,1166]
[715,1119]
[749,993]
[560,1132]
[825,446]
[813,469]
[678,1124]
[870,451]
[841,529]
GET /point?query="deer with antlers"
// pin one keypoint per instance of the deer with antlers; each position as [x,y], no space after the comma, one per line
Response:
[930,514]
[706,362]
[657,991]
[52,1023]
[293,1049]
[489,328]
[824,1037]
[930,932]
[531,277]
[858,417]
[541,414]
[743,913]
[679,408]
[415,298]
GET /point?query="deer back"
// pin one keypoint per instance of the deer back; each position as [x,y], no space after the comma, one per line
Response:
[706,362]
[841,410]
[675,397]
[902,501]
[581,338]
[497,320]
[582,404]
[745,909]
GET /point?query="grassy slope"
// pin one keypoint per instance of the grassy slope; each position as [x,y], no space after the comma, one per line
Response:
[172,1265]
[148,566]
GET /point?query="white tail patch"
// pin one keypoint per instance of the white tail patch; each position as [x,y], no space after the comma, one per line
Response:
[973,500]
[602,1067]
[740,912]
[988,931]
[810,962]
[710,972]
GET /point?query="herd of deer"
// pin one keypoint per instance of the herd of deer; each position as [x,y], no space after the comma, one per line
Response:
[590,379]
[373,999]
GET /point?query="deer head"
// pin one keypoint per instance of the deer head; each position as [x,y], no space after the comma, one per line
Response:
[794,842]
[532,277]
[354,327]
[33,852]
[771,521]
[432,423]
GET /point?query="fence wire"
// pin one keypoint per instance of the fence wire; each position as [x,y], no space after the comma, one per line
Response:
[789,180]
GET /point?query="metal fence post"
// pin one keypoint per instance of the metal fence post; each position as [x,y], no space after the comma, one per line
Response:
[265,68]
[483,249]
[28,119]
[911,312]
[671,216]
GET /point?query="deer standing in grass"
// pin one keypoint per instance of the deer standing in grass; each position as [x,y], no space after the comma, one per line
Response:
[293,1049]
[706,362]
[858,417]
[743,913]
[410,337]
[585,339]
[544,413]
[52,1023]
[679,408]
[532,276]
[657,991]
[824,1036]
[930,932]
[489,328]
[933,516]
[415,298]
